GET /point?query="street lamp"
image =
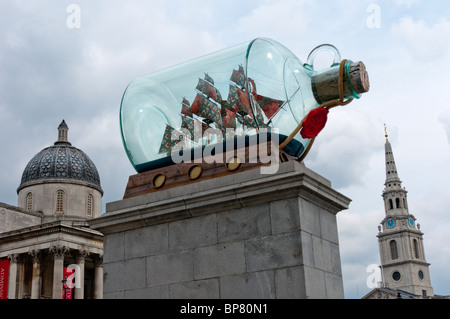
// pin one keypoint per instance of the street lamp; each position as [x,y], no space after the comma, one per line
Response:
[64,282]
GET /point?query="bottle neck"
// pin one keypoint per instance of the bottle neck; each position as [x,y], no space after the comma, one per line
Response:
[325,84]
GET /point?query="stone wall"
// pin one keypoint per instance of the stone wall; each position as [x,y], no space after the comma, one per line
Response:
[245,235]
[13,218]
[44,194]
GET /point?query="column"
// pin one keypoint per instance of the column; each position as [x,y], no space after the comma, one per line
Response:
[98,283]
[58,270]
[36,279]
[79,286]
[13,272]
[21,277]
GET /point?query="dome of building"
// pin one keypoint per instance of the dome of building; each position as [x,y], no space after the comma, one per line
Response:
[61,162]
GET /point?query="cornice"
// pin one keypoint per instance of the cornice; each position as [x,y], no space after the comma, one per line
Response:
[43,181]
[48,229]
[222,193]
[21,210]
[409,261]
[396,232]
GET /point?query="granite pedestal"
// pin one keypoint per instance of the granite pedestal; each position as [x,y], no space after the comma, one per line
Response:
[244,235]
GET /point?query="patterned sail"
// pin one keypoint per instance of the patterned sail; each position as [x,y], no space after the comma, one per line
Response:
[209,79]
[194,127]
[269,106]
[186,108]
[238,101]
[252,111]
[207,110]
[238,77]
[247,121]
[228,118]
[209,90]
[170,139]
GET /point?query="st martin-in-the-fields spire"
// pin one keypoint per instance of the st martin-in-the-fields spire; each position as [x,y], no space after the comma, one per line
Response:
[391,169]
[395,196]
[402,252]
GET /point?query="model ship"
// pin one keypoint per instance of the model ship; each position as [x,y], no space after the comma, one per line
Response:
[244,111]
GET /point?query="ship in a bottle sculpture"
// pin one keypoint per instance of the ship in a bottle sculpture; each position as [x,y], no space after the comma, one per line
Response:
[240,92]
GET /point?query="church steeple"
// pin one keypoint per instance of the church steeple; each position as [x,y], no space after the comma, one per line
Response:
[391,169]
[394,194]
[402,252]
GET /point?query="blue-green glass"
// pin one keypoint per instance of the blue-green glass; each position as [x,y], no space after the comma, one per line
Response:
[274,81]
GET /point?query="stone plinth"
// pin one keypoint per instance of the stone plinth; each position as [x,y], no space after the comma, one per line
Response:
[244,235]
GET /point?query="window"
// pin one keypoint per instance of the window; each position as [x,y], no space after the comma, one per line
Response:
[397,202]
[89,205]
[391,204]
[29,202]
[60,202]
[394,252]
[416,248]
[420,274]
[396,276]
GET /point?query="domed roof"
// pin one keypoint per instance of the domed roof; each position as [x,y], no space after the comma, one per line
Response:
[61,161]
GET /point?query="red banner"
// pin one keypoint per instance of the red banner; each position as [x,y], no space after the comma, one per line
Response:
[4,277]
[68,275]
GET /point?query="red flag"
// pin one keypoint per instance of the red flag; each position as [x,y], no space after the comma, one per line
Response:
[68,285]
[4,277]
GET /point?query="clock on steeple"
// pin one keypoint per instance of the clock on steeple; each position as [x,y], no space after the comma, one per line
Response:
[411,222]
[390,223]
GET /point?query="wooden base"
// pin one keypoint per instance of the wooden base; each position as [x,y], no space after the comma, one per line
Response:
[205,168]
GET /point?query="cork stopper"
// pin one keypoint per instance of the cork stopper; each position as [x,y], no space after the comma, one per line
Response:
[325,85]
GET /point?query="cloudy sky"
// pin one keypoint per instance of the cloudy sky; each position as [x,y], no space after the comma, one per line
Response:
[54,67]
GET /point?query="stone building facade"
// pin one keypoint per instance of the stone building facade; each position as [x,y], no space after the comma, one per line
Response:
[47,239]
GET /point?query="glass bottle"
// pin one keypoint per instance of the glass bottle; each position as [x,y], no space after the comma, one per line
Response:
[256,86]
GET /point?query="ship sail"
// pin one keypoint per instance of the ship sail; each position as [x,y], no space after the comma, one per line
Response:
[228,118]
[207,103]
[209,112]
[170,139]
[206,87]
[247,120]
[245,105]
[238,101]
[194,127]
[206,109]
[269,106]
[186,108]
[238,77]
[237,97]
